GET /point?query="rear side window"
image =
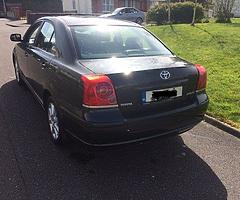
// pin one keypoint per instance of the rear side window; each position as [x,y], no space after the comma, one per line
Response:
[127,10]
[46,37]
[132,10]
[123,11]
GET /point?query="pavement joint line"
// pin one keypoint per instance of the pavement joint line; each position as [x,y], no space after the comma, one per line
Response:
[223,126]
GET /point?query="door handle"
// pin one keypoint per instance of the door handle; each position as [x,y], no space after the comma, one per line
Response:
[26,54]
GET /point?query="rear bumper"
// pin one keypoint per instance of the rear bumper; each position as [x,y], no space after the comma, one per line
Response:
[120,130]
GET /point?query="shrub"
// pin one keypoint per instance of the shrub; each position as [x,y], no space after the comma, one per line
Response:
[158,14]
[40,5]
[43,5]
[222,17]
[223,11]
[205,20]
[180,13]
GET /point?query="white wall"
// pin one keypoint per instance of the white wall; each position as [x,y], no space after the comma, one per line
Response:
[82,6]
[85,6]
[67,5]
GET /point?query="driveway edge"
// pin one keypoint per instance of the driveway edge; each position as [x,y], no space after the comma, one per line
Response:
[12,25]
[17,23]
[223,126]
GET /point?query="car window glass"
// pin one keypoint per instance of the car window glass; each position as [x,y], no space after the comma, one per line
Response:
[127,10]
[132,10]
[45,36]
[135,11]
[53,48]
[31,39]
[96,42]
[122,11]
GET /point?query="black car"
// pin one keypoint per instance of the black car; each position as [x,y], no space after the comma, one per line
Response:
[107,81]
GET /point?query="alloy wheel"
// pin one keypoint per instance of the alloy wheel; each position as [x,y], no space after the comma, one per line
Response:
[53,121]
[139,21]
[17,72]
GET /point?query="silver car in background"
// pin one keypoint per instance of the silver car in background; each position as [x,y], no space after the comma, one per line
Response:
[127,13]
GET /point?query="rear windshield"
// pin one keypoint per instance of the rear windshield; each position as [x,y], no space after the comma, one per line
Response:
[96,42]
[117,10]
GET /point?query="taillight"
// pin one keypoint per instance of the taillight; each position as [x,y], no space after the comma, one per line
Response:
[98,91]
[202,77]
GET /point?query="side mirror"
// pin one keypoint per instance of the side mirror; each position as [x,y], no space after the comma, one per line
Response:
[16,37]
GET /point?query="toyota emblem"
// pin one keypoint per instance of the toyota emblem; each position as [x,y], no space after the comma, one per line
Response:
[165,75]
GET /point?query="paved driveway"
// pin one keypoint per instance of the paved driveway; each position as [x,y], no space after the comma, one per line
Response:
[203,163]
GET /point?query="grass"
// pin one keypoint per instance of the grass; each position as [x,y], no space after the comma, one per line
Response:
[217,47]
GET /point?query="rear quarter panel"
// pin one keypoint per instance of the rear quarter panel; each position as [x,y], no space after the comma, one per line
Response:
[63,83]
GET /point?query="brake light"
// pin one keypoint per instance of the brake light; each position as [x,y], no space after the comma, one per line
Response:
[98,91]
[202,77]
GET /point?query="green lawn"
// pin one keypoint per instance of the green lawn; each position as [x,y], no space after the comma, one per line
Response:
[217,47]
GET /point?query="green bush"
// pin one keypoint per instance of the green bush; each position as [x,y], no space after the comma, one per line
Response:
[40,5]
[205,20]
[180,13]
[224,17]
[158,14]
[43,5]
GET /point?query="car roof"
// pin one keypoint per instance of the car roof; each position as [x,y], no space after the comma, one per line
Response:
[84,21]
[126,7]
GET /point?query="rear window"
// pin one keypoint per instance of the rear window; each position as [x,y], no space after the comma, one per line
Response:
[96,42]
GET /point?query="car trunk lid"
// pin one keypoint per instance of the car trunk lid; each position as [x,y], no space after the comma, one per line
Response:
[134,77]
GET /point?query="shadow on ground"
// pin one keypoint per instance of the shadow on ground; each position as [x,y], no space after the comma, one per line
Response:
[159,169]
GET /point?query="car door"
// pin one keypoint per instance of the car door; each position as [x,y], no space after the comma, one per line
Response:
[123,15]
[41,56]
[132,14]
[127,15]
[24,50]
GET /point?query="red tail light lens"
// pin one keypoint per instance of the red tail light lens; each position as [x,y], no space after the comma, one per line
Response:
[202,77]
[98,91]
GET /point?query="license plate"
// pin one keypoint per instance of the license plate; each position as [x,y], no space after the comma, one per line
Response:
[164,94]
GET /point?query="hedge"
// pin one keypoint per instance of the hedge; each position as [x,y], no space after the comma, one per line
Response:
[180,13]
[40,5]
[43,5]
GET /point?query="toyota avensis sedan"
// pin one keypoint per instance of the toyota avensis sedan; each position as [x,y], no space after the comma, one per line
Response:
[127,13]
[108,82]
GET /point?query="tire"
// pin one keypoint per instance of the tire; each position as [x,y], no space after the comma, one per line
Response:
[55,125]
[139,20]
[18,73]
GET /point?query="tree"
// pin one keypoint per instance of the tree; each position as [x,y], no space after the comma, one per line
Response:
[4,7]
[169,11]
[224,10]
[194,13]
